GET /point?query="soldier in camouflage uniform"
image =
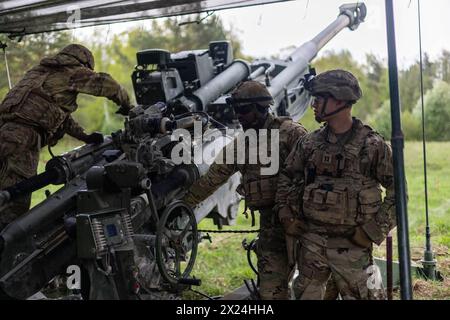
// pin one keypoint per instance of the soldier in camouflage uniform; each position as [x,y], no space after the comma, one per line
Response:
[329,194]
[37,112]
[251,101]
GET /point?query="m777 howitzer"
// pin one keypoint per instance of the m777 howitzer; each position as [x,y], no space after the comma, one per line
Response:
[119,216]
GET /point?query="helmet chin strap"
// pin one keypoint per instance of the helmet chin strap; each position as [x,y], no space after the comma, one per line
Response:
[324,115]
[260,120]
[262,117]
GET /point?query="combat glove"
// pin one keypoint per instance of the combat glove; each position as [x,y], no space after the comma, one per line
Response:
[95,137]
[360,238]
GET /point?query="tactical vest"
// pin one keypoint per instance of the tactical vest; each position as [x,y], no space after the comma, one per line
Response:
[338,188]
[29,104]
[259,191]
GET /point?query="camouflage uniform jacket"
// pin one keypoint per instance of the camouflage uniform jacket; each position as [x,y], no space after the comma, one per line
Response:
[258,190]
[46,96]
[335,187]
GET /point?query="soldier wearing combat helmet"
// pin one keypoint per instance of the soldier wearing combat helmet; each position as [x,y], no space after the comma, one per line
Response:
[329,193]
[37,112]
[251,101]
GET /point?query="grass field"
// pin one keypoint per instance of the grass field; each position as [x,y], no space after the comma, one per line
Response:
[222,264]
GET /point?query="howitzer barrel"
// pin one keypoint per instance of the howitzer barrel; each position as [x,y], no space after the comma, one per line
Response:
[78,160]
[59,170]
[44,213]
[42,263]
[239,70]
[350,16]
[28,186]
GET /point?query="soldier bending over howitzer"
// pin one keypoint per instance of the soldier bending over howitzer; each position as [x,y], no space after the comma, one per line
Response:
[336,173]
[37,112]
[251,101]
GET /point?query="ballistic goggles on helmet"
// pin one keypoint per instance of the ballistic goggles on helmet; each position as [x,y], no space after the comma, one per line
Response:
[245,105]
[308,79]
[320,96]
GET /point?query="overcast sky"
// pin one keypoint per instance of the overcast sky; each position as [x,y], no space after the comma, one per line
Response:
[268,29]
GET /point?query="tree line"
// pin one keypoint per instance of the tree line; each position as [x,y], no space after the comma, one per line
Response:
[118,57]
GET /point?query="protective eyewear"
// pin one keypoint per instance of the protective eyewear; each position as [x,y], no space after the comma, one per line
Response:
[318,99]
[243,109]
[245,105]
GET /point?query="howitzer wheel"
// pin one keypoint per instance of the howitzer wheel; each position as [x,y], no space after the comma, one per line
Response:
[176,242]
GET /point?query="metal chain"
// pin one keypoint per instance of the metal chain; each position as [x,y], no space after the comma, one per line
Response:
[221,231]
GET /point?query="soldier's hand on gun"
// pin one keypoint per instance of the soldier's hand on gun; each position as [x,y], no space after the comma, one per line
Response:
[360,238]
[95,137]
[293,226]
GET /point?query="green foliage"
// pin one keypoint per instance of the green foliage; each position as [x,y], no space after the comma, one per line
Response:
[25,54]
[412,126]
[437,112]
[410,82]
[442,66]
[438,154]
[222,265]
[372,78]
[380,120]
[374,107]
[118,58]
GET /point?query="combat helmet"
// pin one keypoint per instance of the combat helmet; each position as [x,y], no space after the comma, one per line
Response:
[340,84]
[81,53]
[250,93]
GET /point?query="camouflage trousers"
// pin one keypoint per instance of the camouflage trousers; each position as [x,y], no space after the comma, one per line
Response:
[19,157]
[272,257]
[331,292]
[355,275]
